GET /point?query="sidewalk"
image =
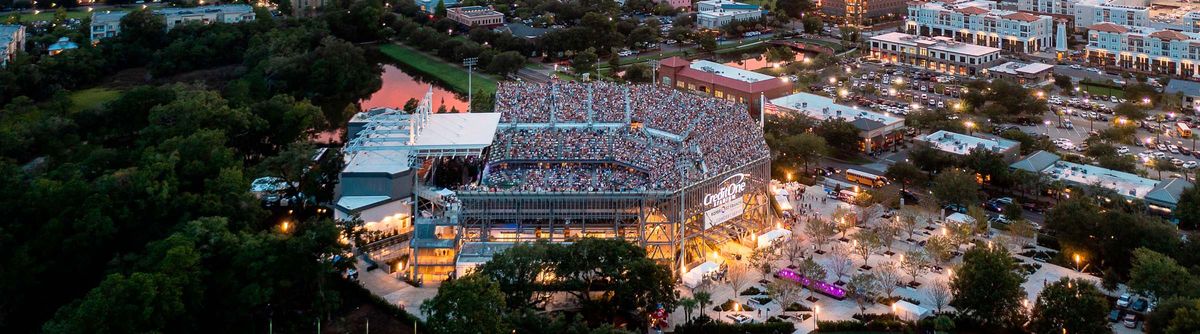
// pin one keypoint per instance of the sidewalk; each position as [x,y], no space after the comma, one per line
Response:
[395,291]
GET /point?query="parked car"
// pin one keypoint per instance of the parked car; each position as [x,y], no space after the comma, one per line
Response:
[1114,316]
[1139,305]
[1124,300]
[1131,321]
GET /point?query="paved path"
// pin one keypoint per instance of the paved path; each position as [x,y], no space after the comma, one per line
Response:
[395,291]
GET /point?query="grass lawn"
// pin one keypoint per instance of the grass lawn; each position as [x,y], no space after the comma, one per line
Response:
[92,98]
[47,15]
[1103,91]
[453,76]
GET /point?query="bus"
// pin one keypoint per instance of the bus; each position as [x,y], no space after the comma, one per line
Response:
[864,178]
[1184,131]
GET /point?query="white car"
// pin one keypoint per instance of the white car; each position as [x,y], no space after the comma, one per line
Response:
[1190,164]
[1122,150]
[1076,67]
[1176,162]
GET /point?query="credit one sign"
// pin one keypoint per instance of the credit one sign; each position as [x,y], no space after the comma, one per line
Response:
[726,202]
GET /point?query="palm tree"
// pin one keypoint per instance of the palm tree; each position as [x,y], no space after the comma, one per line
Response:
[688,304]
[703,298]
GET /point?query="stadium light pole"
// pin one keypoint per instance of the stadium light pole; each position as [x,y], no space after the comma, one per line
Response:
[470,64]
[653,71]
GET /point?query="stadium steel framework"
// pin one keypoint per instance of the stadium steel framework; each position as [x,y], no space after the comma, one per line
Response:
[664,222]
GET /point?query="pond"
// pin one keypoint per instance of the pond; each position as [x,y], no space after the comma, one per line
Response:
[758,61]
[400,84]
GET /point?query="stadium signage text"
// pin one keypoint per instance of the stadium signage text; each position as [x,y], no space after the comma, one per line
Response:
[731,188]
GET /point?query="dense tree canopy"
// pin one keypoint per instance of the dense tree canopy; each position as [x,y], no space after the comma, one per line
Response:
[1075,306]
[987,287]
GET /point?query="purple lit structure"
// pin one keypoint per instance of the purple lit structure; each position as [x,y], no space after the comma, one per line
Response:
[819,286]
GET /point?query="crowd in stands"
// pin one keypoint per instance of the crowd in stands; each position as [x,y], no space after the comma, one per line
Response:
[711,136]
[566,177]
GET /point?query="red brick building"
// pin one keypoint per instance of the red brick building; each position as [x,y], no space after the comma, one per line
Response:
[722,81]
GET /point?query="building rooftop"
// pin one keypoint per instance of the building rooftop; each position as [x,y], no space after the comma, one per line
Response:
[475,11]
[1126,184]
[1036,162]
[1014,67]
[1187,87]
[821,108]
[936,43]
[107,16]
[391,137]
[729,71]
[226,9]
[960,144]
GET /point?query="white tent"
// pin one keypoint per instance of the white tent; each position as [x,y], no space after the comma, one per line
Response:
[961,218]
[770,237]
[909,311]
[693,277]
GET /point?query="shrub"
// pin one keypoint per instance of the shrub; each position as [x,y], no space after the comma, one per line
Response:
[724,328]
[752,291]
[841,326]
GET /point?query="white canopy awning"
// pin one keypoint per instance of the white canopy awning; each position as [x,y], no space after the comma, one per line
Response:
[909,311]
[770,237]
[693,277]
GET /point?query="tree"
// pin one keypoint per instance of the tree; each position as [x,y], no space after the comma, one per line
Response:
[820,230]
[1063,82]
[785,292]
[440,9]
[979,219]
[908,219]
[1130,111]
[906,173]
[889,278]
[805,148]
[939,294]
[1162,165]
[1174,316]
[812,24]
[794,8]
[763,260]
[914,263]
[635,284]
[1188,209]
[813,271]
[738,276]
[794,249]
[865,243]
[1070,305]
[506,63]
[840,263]
[987,288]
[862,289]
[940,249]
[887,230]
[584,62]
[688,305]
[1158,276]
[707,42]
[956,187]
[703,298]
[519,271]
[845,219]
[841,136]
[1022,232]
[471,304]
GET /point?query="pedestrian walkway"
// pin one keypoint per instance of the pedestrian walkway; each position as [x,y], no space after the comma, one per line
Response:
[397,292]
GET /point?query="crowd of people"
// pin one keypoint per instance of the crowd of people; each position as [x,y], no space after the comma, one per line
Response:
[586,177]
[707,136]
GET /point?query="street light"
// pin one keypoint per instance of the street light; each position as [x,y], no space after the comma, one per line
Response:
[1077,260]
[816,312]
[970,126]
[832,80]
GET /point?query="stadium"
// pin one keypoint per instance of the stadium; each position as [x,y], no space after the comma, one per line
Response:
[678,173]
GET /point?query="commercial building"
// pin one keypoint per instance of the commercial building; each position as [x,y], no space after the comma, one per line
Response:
[1055,8]
[713,14]
[1144,49]
[1122,12]
[1188,91]
[979,22]
[108,24]
[475,16]
[960,144]
[864,11]
[722,81]
[877,131]
[1023,73]
[12,40]
[430,5]
[940,54]
[1161,196]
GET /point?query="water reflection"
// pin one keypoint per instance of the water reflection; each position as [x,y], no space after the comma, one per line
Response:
[399,86]
[759,61]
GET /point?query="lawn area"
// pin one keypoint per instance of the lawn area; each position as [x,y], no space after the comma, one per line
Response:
[453,76]
[1103,90]
[92,98]
[47,15]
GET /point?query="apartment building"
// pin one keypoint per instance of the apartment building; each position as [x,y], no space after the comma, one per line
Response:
[1144,49]
[473,16]
[12,40]
[859,11]
[940,54]
[108,24]
[980,23]
[1122,12]
[713,14]
[1057,8]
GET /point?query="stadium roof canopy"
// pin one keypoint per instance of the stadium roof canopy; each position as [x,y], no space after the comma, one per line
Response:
[390,139]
